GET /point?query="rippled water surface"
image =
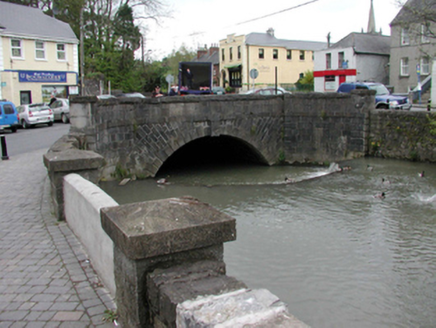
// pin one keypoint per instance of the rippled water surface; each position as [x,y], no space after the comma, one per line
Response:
[338,256]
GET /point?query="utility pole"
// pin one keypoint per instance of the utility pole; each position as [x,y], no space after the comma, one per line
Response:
[82,56]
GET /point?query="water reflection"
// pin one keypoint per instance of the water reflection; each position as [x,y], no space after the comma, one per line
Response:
[338,256]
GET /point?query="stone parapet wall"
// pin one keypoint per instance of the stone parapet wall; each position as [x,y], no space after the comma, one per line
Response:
[402,135]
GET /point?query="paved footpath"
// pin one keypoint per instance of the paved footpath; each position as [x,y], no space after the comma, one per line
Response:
[46,279]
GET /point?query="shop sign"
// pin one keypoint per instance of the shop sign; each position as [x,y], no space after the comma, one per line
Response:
[42,76]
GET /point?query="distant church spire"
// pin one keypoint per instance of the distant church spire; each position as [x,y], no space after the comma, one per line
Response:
[371,21]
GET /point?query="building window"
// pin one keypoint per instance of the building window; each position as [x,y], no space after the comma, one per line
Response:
[404,69]
[289,54]
[341,59]
[328,61]
[330,82]
[39,50]
[261,53]
[275,54]
[425,34]
[302,55]
[16,49]
[223,56]
[425,66]
[231,53]
[405,40]
[61,53]
[239,52]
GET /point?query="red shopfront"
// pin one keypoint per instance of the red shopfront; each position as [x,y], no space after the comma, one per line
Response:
[334,78]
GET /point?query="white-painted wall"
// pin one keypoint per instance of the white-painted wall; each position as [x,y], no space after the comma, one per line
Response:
[82,203]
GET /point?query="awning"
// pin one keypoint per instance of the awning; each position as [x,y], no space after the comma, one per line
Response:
[235,67]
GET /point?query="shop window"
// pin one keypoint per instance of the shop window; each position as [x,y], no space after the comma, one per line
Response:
[16,48]
[39,50]
[61,53]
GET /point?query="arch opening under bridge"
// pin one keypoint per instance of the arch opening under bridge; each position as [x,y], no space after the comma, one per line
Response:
[217,150]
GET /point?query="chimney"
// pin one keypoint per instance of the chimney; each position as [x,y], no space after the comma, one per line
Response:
[213,48]
[270,31]
[201,51]
[328,40]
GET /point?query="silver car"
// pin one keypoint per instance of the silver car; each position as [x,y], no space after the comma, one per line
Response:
[61,109]
[35,114]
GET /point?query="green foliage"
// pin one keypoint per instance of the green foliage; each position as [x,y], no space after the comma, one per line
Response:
[432,123]
[110,316]
[120,172]
[306,83]
[171,62]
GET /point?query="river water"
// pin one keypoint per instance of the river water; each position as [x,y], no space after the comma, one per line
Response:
[337,255]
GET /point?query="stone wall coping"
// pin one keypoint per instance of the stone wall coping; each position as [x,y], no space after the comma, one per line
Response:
[241,308]
[71,160]
[154,228]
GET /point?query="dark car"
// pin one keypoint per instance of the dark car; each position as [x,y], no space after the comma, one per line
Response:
[383,98]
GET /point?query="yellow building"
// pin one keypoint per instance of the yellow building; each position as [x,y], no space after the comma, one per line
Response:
[38,56]
[271,58]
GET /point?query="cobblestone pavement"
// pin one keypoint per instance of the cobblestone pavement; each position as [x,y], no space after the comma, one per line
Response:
[46,279]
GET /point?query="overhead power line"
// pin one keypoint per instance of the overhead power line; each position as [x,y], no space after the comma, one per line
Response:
[276,13]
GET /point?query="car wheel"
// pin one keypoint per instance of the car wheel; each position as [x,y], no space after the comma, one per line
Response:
[64,119]
[50,123]
[25,124]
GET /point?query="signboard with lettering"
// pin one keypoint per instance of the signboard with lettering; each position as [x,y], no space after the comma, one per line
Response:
[42,76]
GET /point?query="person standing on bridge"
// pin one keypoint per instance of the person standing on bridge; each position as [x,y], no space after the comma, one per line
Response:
[157,93]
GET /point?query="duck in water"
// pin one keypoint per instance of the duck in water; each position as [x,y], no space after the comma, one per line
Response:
[381,196]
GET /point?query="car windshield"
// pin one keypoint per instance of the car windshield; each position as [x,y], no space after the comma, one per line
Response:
[380,89]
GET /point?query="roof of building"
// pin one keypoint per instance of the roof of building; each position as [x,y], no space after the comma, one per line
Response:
[268,40]
[365,43]
[209,57]
[22,21]
[416,11]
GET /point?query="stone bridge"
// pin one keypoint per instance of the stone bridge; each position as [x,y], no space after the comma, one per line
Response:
[138,136]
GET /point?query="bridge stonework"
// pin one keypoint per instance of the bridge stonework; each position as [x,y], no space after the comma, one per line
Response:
[136,136]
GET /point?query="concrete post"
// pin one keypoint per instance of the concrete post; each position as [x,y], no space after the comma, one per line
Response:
[164,234]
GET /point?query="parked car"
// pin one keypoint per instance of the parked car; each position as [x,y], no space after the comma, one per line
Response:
[131,95]
[61,109]
[218,91]
[35,114]
[8,116]
[383,98]
[267,91]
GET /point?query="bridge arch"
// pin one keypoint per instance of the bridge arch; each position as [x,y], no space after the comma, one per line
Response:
[206,150]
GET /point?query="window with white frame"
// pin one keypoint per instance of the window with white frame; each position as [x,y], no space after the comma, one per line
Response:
[405,39]
[328,61]
[425,66]
[61,51]
[16,48]
[39,50]
[404,69]
[425,33]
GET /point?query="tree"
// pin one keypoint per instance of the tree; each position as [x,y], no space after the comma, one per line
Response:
[171,63]
[306,83]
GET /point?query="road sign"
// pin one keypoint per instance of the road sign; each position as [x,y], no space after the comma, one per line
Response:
[254,73]
[418,69]
[169,78]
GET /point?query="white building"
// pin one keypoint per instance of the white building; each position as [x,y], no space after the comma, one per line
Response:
[357,57]
[38,55]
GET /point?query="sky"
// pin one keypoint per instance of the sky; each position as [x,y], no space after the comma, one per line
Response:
[196,23]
